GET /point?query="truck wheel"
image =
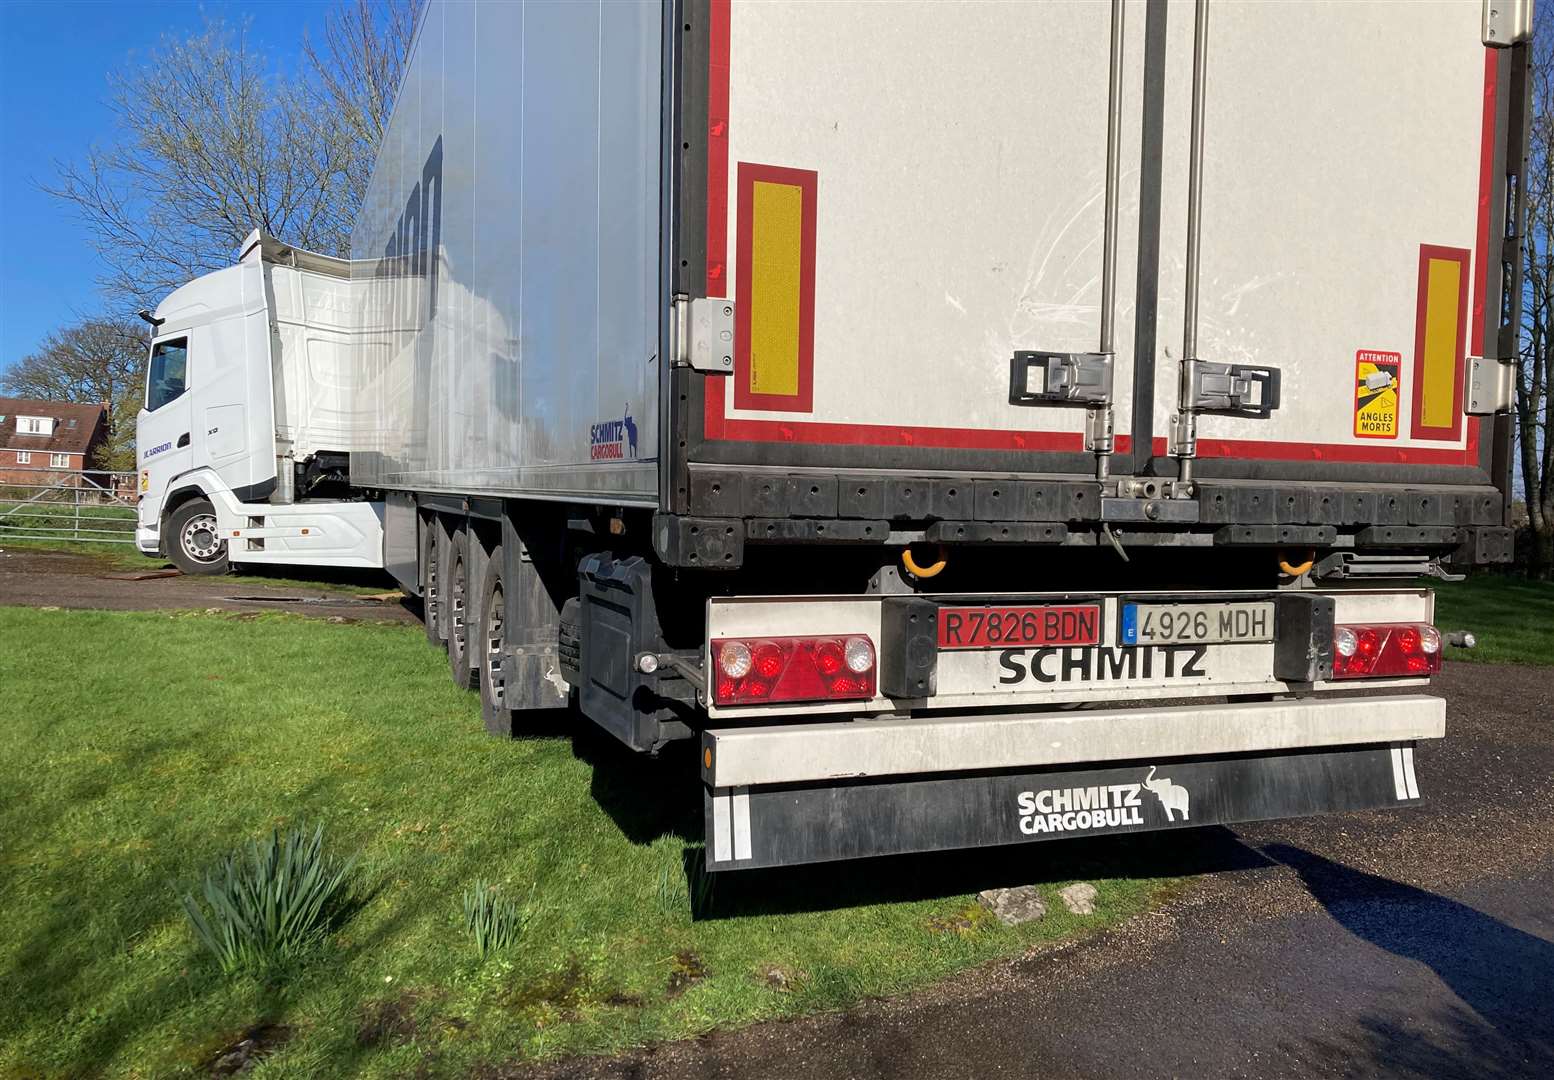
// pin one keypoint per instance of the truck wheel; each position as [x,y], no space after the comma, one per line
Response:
[466,668]
[431,584]
[195,544]
[491,643]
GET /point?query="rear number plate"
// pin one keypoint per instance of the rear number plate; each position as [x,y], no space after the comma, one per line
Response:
[1197,624]
[1018,627]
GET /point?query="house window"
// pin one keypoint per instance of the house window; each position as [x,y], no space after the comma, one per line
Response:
[35,425]
[168,376]
[23,457]
[60,461]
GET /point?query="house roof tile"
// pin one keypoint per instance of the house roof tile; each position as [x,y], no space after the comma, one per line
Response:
[66,439]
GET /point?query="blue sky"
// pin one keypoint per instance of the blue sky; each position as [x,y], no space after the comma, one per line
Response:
[55,56]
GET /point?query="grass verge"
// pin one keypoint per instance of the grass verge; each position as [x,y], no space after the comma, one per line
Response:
[1513,618]
[169,739]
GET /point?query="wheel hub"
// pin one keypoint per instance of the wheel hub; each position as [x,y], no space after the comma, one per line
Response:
[494,641]
[458,633]
[200,541]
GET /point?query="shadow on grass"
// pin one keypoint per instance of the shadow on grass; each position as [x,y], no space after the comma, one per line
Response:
[646,797]
[70,963]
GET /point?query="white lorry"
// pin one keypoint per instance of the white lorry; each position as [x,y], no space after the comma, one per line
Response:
[905,402]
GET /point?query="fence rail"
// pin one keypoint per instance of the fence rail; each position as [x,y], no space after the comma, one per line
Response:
[90,506]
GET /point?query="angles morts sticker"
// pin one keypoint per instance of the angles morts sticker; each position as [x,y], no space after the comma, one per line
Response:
[1377,376]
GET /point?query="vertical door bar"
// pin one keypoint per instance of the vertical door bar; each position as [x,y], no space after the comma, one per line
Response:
[1187,441]
[1102,417]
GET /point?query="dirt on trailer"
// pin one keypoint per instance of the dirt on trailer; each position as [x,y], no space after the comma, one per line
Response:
[56,579]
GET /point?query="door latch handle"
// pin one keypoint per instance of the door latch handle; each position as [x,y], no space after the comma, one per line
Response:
[1248,390]
[183,440]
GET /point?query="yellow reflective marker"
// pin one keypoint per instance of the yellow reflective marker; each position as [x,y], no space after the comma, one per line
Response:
[1439,358]
[776,274]
[1440,336]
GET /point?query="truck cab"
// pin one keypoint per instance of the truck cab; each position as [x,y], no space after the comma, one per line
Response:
[245,437]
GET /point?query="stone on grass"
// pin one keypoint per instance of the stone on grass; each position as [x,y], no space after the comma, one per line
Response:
[1021,904]
[1079,898]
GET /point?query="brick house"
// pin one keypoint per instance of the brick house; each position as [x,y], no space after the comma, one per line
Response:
[48,435]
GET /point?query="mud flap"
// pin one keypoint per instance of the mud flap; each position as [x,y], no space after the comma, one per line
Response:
[788,824]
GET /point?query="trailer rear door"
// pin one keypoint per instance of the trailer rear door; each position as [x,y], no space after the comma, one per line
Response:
[900,197]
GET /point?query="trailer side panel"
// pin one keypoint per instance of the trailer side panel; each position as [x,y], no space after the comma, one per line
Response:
[508,257]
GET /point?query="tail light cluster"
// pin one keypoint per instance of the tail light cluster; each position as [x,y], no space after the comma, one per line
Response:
[751,671]
[1373,651]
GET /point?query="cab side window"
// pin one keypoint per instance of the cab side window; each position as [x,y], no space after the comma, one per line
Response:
[168,376]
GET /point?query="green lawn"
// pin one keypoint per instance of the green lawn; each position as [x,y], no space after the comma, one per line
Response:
[1513,618]
[139,748]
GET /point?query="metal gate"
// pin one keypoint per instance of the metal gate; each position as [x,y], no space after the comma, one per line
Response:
[76,505]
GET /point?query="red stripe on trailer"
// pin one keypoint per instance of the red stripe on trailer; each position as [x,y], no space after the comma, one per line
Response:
[1486,189]
[1258,450]
[808,432]
[717,149]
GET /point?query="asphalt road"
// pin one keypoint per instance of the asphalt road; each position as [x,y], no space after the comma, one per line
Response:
[1408,943]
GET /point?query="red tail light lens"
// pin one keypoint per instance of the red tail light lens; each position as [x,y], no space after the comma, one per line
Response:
[759,670]
[1385,649]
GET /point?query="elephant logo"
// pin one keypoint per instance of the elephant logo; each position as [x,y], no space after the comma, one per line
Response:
[1172,796]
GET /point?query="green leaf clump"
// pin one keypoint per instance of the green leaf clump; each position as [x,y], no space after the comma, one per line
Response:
[270,904]
[496,922]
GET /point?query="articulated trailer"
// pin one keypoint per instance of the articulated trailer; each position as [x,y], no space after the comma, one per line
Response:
[969,424]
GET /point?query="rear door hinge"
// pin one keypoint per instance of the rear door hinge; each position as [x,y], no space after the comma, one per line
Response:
[1507,22]
[704,334]
[1490,385]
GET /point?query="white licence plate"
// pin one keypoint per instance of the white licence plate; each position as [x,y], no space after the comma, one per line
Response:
[1197,624]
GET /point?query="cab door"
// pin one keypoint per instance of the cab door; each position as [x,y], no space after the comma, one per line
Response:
[163,429]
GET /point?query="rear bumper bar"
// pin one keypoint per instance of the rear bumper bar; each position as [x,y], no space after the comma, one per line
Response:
[794,753]
[780,796]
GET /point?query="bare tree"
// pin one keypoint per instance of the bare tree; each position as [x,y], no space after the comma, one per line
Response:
[1534,405]
[356,70]
[94,360]
[214,141]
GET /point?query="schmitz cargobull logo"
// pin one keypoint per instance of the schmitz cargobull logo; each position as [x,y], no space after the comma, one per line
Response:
[613,440]
[1101,806]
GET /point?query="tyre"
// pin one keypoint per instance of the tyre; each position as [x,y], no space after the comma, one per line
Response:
[489,644]
[459,612]
[194,542]
[431,585]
